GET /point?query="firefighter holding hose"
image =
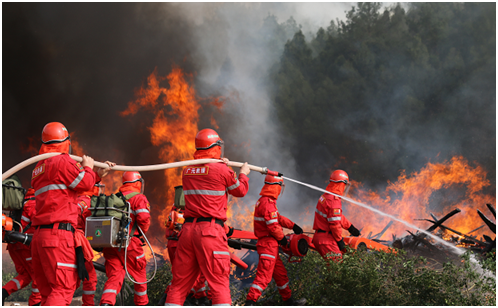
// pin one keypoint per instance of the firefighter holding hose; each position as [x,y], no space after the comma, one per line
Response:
[21,256]
[329,220]
[202,246]
[133,183]
[268,225]
[56,260]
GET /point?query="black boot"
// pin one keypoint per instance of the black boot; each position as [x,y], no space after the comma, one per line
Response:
[203,301]
[295,302]
[37,304]
[105,304]
[5,294]
[250,303]
[162,301]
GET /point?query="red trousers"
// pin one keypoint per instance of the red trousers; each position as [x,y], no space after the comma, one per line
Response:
[21,256]
[54,265]
[199,289]
[90,285]
[202,248]
[115,271]
[269,266]
[326,246]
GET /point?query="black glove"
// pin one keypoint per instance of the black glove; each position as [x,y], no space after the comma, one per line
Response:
[353,231]
[230,231]
[341,244]
[80,262]
[283,241]
[297,229]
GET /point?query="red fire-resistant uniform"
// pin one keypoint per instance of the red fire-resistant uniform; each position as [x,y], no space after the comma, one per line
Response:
[90,285]
[329,223]
[136,262]
[21,254]
[57,181]
[268,225]
[203,247]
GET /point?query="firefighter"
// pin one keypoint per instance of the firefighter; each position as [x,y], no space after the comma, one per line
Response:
[135,262]
[21,256]
[203,247]
[268,225]
[57,262]
[84,203]
[329,220]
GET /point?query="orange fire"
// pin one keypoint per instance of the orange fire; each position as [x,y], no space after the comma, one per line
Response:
[173,128]
[438,188]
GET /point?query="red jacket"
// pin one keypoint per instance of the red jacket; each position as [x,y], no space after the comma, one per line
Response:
[84,203]
[206,188]
[328,216]
[57,181]
[140,209]
[267,220]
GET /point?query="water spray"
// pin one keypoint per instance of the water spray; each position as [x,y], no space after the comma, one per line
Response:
[457,250]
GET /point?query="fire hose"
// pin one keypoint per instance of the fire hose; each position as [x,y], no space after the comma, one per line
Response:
[35,159]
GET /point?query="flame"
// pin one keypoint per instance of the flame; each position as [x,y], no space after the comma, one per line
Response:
[437,188]
[173,129]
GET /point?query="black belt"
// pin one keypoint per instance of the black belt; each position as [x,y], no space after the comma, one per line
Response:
[62,226]
[321,231]
[199,219]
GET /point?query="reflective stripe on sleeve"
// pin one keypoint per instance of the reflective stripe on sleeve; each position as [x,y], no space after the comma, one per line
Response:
[271,221]
[141,256]
[141,293]
[35,290]
[267,255]
[259,218]
[18,285]
[204,192]
[77,180]
[110,291]
[234,185]
[67,265]
[257,287]
[50,187]
[337,218]
[141,211]
[88,292]
[221,253]
[283,287]
[26,219]
[29,259]
[320,213]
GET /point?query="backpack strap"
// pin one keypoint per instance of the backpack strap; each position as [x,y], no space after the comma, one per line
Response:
[128,197]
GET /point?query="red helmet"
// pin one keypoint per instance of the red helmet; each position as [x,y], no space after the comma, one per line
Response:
[206,139]
[131,176]
[338,176]
[54,132]
[274,180]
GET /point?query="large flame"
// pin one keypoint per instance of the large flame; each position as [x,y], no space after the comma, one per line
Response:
[173,129]
[438,188]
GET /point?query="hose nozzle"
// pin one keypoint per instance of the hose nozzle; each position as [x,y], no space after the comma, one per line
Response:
[267,171]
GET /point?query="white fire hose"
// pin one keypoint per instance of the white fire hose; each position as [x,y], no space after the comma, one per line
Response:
[35,159]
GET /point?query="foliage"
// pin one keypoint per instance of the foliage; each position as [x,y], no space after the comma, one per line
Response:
[384,279]
[388,89]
